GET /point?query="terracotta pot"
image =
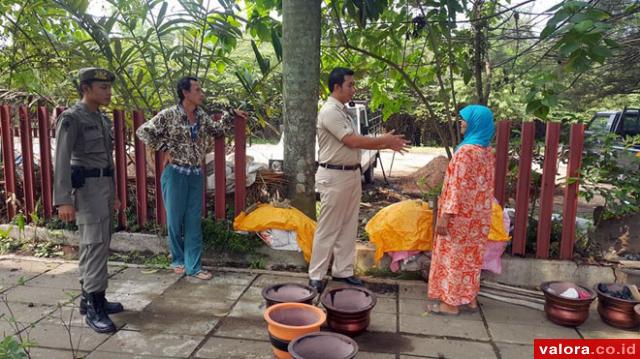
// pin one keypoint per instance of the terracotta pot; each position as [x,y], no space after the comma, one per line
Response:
[566,311]
[287,321]
[323,345]
[617,312]
[288,293]
[348,309]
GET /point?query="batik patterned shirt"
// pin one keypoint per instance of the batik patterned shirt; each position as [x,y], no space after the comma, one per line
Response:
[170,131]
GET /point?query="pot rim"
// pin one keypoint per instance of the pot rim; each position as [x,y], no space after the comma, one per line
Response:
[545,286]
[374,299]
[321,314]
[612,297]
[313,291]
[353,343]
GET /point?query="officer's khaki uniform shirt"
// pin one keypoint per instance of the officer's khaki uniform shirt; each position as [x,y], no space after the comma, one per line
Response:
[84,138]
[334,123]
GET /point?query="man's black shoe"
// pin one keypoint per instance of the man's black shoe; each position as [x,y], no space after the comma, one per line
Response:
[96,317]
[316,284]
[109,307]
[353,280]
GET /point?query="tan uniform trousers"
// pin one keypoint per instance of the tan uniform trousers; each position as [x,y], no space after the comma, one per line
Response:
[94,254]
[337,228]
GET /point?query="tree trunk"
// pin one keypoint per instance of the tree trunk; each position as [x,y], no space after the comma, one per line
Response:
[301,74]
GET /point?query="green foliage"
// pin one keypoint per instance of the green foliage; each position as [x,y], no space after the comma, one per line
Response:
[11,348]
[220,237]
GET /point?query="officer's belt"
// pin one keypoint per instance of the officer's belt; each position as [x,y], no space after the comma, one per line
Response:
[340,167]
[98,172]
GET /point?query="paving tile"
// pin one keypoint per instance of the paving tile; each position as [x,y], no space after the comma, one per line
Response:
[499,312]
[201,289]
[383,322]
[266,280]
[130,302]
[131,286]
[167,322]
[57,336]
[418,307]
[524,334]
[412,291]
[146,343]
[190,306]
[109,355]
[61,281]
[612,333]
[369,355]
[594,327]
[224,348]
[445,326]
[227,278]
[243,328]
[386,305]
[24,313]
[515,351]
[423,347]
[45,353]
[33,295]
[12,272]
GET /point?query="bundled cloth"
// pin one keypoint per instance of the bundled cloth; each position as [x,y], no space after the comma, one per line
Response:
[267,217]
[405,228]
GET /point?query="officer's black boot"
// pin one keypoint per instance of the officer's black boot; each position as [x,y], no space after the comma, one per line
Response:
[97,317]
[110,307]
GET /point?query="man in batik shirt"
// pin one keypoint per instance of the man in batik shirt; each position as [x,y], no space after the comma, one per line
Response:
[180,132]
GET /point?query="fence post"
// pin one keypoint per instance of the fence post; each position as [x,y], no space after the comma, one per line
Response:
[141,170]
[502,159]
[27,161]
[121,165]
[220,175]
[522,194]
[547,190]
[9,161]
[240,164]
[46,170]
[570,208]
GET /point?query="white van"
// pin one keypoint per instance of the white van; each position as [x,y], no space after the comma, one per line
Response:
[358,114]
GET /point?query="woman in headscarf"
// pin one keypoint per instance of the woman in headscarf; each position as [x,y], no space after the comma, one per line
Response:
[464,217]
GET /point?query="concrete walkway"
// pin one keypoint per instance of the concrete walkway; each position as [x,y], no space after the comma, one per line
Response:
[171,317]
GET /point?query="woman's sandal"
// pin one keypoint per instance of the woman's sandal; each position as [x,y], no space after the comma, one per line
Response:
[178,270]
[434,308]
[469,309]
[203,275]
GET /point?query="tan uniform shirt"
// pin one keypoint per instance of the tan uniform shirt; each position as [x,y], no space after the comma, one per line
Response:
[334,123]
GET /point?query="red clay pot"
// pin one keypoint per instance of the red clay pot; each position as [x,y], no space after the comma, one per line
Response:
[566,311]
[616,312]
[323,345]
[288,293]
[348,309]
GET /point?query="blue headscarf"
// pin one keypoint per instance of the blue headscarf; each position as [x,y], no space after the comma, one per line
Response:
[480,127]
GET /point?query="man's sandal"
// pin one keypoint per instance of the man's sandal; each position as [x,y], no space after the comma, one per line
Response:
[178,270]
[203,275]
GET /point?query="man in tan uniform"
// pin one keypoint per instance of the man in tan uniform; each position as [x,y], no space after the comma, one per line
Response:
[339,182]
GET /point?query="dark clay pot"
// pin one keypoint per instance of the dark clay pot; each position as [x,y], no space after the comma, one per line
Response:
[617,312]
[288,293]
[323,345]
[348,309]
[566,311]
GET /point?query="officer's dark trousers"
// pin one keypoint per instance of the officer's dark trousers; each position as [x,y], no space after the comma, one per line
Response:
[94,253]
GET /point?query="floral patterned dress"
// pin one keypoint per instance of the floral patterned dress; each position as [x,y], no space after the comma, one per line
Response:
[454,277]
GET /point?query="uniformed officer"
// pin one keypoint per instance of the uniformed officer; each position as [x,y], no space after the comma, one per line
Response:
[84,189]
[339,182]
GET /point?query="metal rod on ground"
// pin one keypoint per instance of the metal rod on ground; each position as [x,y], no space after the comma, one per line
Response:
[382,168]
[393,158]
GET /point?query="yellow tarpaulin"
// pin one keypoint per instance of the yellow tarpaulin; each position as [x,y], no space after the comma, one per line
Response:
[402,226]
[408,226]
[266,216]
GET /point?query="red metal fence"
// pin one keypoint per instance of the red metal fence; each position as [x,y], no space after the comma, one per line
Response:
[523,186]
[122,135]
